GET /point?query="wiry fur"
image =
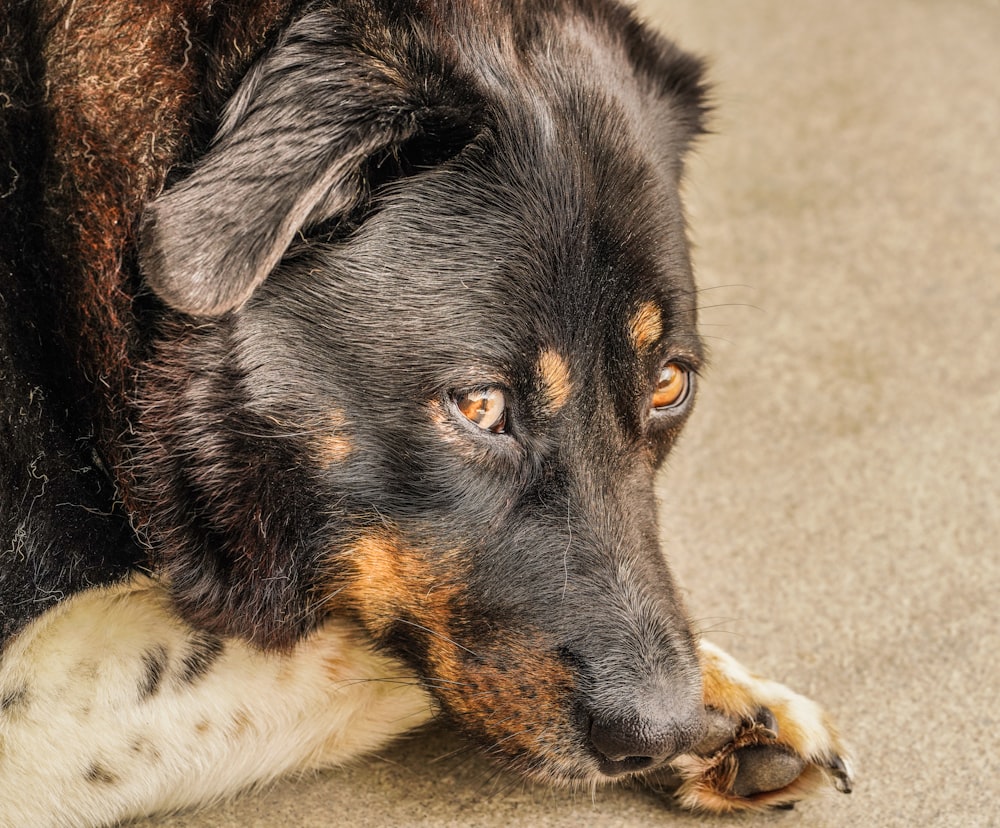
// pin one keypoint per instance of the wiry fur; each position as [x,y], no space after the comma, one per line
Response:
[259,253]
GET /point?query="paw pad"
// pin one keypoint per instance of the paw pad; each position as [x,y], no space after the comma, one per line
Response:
[761,768]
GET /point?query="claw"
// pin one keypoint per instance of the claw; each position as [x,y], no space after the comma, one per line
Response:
[841,773]
[766,719]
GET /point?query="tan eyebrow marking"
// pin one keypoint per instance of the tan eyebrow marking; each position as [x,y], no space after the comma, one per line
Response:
[554,373]
[645,326]
[333,447]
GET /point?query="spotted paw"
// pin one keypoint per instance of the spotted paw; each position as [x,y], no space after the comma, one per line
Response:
[765,746]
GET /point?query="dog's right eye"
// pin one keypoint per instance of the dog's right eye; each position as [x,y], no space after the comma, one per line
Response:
[483,407]
[672,388]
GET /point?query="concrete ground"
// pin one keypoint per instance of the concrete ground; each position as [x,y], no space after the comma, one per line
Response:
[834,509]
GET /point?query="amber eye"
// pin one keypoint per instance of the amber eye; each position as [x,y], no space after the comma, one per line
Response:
[486,408]
[671,388]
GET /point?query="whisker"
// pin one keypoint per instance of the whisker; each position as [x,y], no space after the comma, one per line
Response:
[716,628]
[436,635]
[450,682]
[400,682]
[494,778]
[510,782]
[707,288]
[717,338]
[462,751]
[731,305]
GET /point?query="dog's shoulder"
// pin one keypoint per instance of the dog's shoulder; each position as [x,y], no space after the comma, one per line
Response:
[98,100]
[60,531]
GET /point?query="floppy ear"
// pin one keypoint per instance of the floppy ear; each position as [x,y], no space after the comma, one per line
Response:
[291,152]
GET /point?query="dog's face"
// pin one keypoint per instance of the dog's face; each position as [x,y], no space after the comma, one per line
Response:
[446,337]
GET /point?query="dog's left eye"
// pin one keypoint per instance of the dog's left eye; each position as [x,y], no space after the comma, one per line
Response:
[485,408]
[672,388]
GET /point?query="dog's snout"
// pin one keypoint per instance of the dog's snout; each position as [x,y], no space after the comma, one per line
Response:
[627,744]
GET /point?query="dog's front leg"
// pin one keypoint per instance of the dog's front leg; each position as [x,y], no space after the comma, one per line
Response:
[112,707]
[766,745]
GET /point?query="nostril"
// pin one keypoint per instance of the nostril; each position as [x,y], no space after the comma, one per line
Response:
[634,744]
[615,740]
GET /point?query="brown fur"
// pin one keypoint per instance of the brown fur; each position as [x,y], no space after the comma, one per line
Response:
[554,371]
[645,326]
[479,678]
[126,87]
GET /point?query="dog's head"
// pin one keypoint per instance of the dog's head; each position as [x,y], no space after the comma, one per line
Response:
[437,334]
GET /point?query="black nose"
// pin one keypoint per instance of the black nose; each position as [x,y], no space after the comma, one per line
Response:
[635,743]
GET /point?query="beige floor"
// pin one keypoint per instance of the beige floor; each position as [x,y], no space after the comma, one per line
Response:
[834,510]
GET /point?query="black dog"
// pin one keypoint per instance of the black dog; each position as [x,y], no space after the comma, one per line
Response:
[366,372]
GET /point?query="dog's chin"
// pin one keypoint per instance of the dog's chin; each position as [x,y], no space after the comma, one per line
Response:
[586,771]
[571,769]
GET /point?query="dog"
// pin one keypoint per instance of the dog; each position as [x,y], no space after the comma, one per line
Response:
[340,342]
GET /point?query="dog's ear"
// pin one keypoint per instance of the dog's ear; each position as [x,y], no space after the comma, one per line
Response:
[292,151]
[670,74]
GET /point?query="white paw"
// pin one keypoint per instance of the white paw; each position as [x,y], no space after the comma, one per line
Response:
[766,746]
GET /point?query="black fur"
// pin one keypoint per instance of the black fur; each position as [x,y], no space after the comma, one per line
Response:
[154,664]
[405,200]
[204,650]
[60,530]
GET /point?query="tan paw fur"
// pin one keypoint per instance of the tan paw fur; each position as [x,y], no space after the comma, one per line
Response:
[780,748]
